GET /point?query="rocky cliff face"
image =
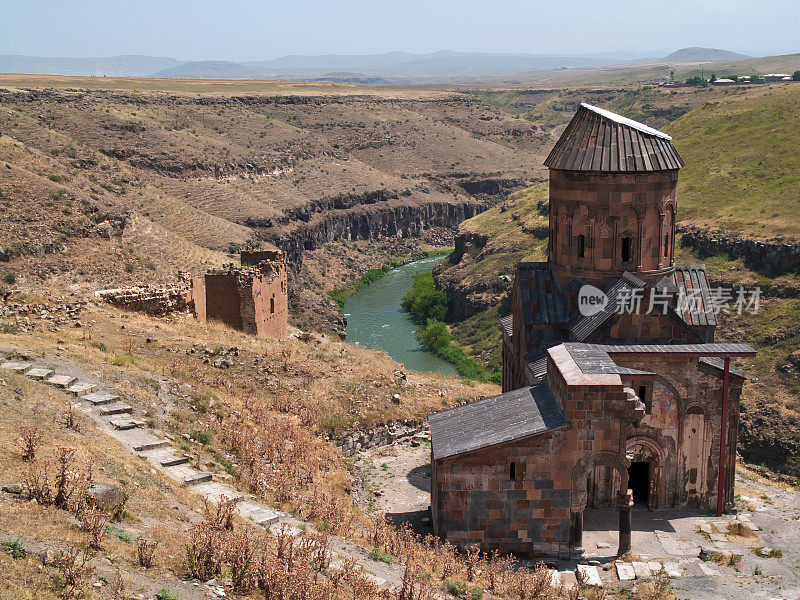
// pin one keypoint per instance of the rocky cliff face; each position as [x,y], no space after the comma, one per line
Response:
[771,257]
[377,221]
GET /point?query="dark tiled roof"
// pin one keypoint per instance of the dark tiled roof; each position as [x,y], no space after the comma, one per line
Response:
[542,301]
[507,323]
[581,327]
[513,415]
[692,283]
[536,368]
[714,349]
[594,359]
[718,363]
[599,140]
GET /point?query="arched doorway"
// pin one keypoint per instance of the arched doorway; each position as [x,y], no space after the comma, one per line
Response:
[645,473]
[617,465]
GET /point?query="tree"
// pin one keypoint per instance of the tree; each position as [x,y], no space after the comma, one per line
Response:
[434,336]
[424,301]
[796,75]
[713,77]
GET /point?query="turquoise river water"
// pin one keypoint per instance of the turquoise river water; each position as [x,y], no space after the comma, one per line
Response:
[375,319]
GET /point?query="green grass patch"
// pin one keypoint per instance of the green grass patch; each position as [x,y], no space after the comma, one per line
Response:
[380,555]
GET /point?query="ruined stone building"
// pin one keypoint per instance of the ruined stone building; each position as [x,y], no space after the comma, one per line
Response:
[252,298]
[608,395]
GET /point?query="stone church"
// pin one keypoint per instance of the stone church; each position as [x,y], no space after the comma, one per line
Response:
[614,391]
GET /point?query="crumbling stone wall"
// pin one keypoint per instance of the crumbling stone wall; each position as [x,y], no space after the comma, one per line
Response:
[153,300]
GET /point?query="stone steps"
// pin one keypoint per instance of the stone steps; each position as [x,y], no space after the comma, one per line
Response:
[157,451]
[118,408]
[39,373]
[197,478]
[99,398]
[62,381]
[16,366]
[125,424]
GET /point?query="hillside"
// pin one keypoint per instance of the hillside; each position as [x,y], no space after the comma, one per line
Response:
[742,169]
[695,54]
[140,183]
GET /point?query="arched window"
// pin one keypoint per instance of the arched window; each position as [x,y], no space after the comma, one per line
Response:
[512,471]
[666,244]
[272,305]
[626,249]
[581,246]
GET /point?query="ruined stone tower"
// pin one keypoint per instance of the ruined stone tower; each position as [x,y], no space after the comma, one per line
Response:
[252,298]
[612,200]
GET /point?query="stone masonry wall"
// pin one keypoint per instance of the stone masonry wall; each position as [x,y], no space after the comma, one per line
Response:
[477,501]
[153,300]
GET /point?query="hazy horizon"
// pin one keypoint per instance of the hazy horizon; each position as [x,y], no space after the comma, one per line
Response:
[254,31]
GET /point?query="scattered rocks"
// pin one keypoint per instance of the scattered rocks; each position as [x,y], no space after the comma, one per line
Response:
[13,488]
[105,496]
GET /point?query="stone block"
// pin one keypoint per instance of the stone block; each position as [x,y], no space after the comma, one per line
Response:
[154,445]
[81,388]
[17,367]
[625,571]
[62,381]
[39,373]
[99,398]
[197,478]
[642,569]
[589,575]
[118,408]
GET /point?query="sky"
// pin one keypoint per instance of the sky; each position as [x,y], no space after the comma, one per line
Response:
[242,30]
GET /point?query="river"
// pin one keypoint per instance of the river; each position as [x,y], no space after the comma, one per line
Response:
[375,319]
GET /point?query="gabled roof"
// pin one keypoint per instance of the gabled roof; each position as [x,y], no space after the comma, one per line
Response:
[507,324]
[542,301]
[600,140]
[516,414]
[692,283]
[581,327]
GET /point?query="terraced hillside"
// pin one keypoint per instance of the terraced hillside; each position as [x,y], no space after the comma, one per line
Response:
[740,183]
[128,185]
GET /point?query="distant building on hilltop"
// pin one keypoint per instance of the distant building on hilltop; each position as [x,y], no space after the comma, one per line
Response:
[613,388]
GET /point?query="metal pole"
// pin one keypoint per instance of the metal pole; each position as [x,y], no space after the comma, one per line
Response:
[723,437]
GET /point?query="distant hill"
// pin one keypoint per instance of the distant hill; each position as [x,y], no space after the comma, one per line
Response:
[697,54]
[393,65]
[113,66]
[434,66]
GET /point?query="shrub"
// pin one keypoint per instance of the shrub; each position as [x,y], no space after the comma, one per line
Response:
[456,588]
[94,522]
[424,301]
[202,437]
[434,336]
[31,438]
[166,594]
[74,572]
[14,548]
[145,552]
[10,278]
